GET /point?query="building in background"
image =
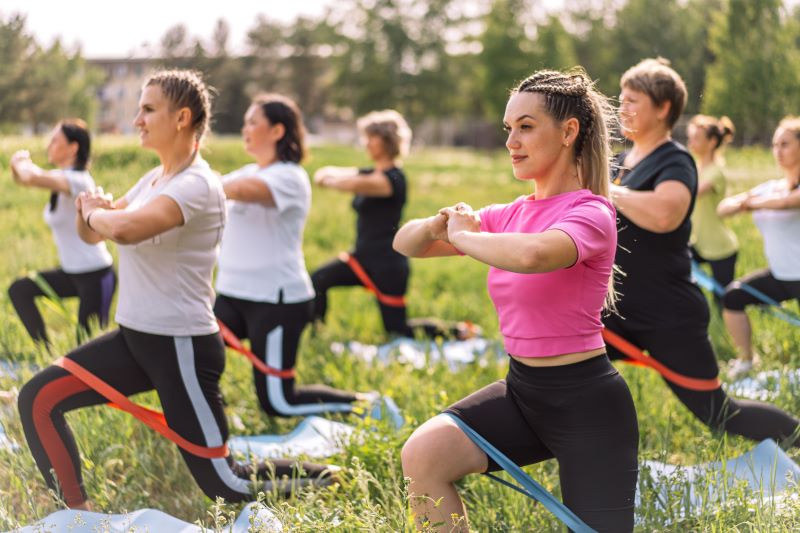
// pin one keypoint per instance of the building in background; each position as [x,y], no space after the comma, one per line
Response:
[119,95]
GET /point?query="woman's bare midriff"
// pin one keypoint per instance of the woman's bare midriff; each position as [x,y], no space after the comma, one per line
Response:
[559,360]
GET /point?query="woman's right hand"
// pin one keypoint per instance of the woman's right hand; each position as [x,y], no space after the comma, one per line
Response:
[88,201]
[437,227]
[321,175]
[21,165]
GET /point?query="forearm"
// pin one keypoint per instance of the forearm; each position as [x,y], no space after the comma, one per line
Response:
[416,239]
[773,202]
[514,252]
[86,234]
[114,225]
[646,209]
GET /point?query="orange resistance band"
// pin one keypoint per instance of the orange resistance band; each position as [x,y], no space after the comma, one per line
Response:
[153,419]
[363,277]
[638,357]
[234,342]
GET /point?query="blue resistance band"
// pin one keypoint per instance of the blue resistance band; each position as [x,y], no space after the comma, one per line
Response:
[530,487]
[710,284]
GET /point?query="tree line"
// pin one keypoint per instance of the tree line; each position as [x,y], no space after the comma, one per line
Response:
[446,60]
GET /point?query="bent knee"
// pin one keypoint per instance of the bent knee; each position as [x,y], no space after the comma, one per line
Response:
[441,450]
[21,288]
[734,298]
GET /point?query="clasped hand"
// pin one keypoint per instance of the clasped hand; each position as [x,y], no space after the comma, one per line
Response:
[22,167]
[88,201]
[452,220]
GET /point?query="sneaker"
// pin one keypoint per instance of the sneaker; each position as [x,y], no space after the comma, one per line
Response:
[738,368]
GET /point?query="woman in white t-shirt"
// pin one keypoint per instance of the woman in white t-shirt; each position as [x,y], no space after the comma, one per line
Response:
[85,269]
[264,292]
[776,212]
[168,227]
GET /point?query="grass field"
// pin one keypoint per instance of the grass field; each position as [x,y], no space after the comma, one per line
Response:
[127,467]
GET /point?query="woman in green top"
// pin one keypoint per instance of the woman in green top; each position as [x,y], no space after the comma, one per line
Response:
[711,242]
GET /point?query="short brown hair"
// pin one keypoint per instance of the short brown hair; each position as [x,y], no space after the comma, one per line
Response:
[186,88]
[390,126]
[656,79]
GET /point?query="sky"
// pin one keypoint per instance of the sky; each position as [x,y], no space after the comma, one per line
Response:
[114,28]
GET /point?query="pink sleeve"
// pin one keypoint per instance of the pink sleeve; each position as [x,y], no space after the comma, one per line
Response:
[592,226]
[488,216]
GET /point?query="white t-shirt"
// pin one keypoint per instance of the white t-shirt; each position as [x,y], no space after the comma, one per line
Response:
[165,281]
[780,229]
[75,256]
[262,248]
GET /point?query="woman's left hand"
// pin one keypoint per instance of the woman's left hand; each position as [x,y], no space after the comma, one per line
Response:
[460,218]
[90,201]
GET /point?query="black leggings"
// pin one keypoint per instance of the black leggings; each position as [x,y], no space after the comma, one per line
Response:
[688,351]
[583,415]
[736,298]
[391,279]
[722,270]
[185,372]
[274,332]
[95,290]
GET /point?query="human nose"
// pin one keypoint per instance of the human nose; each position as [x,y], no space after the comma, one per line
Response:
[512,141]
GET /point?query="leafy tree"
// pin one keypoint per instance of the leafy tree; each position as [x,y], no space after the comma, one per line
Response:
[753,78]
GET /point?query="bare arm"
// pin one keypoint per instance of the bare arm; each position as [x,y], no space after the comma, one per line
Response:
[660,211]
[348,179]
[525,253]
[790,201]
[131,227]
[249,190]
[424,237]
[733,205]
[25,172]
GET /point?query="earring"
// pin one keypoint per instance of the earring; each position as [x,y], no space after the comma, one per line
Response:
[179,127]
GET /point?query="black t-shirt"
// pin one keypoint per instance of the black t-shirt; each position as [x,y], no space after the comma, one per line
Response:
[656,290]
[379,219]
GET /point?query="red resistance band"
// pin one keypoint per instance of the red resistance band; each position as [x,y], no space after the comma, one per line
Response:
[235,344]
[638,357]
[363,277]
[153,419]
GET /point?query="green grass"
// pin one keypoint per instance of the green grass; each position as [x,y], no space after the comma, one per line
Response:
[126,466]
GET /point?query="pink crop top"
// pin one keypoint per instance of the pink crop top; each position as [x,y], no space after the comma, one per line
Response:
[557,312]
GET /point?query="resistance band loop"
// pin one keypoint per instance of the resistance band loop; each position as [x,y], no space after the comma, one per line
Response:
[710,284]
[363,277]
[638,357]
[234,343]
[530,487]
[153,419]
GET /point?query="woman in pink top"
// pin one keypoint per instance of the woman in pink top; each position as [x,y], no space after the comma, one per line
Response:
[551,256]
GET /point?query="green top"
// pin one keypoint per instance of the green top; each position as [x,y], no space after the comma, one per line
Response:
[711,238]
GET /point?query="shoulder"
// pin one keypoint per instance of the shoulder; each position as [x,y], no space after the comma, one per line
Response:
[677,154]
[284,170]
[246,170]
[502,211]
[197,179]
